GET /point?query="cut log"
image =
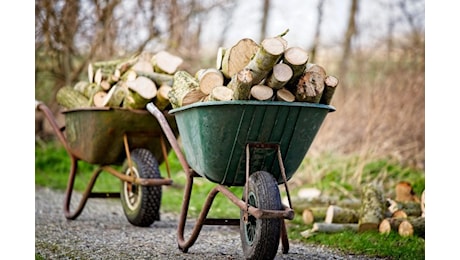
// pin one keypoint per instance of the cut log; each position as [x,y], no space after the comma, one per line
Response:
[165,62]
[268,54]
[412,226]
[390,224]
[161,99]
[279,76]
[316,68]
[261,92]
[411,208]
[193,96]
[209,79]
[115,96]
[334,227]
[399,214]
[296,58]
[238,56]
[183,84]
[69,98]
[158,78]
[143,65]
[88,89]
[284,95]
[313,214]
[129,75]
[98,98]
[220,93]
[143,86]
[337,214]
[310,87]
[404,192]
[330,84]
[372,210]
[241,84]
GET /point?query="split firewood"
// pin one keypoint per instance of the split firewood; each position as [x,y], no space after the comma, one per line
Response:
[422,204]
[279,76]
[209,79]
[330,84]
[284,95]
[183,84]
[241,84]
[165,62]
[310,87]
[116,96]
[220,93]
[219,57]
[237,57]
[313,214]
[69,98]
[372,208]
[296,58]
[261,92]
[405,192]
[161,100]
[268,54]
[337,214]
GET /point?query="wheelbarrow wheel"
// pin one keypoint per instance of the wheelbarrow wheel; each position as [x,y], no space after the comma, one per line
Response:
[260,237]
[141,204]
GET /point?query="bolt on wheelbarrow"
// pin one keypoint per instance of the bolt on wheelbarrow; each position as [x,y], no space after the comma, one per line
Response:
[109,137]
[255,145]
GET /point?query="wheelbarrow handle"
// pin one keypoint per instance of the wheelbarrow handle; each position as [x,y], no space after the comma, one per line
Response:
[169,135]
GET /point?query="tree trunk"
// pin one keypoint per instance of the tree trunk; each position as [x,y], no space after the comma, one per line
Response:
[334,227]
[372,210]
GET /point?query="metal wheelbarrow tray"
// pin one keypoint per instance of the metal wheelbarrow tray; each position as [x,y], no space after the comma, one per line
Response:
[116,136]
[254,144]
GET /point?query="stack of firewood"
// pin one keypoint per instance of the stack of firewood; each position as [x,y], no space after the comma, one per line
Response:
[267,71]
[404,214]
[127,83]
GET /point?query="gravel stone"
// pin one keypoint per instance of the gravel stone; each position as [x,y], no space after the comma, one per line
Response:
[103,232]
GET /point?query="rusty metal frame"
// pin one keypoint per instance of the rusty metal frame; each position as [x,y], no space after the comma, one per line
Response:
[185,244]
[59,131]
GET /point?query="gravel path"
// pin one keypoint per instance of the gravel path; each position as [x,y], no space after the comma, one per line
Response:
[102,232]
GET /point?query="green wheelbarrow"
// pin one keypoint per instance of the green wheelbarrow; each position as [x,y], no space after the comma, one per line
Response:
[110,137]
[256,145]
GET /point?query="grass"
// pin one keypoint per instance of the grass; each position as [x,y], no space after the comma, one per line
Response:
[52,167]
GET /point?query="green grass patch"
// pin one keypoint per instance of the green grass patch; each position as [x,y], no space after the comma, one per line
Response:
[52,165]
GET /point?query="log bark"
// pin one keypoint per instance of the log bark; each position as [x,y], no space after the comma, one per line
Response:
[411,208]
[316,68]
[158,78]
[238,56]
[422,204]
[261,92]
[284,95]
[310,87]
[337,214]
[183,84]
[268,54]
[330,84]
[161,99]
[88,89]
[313,214]
[372,210]
[165,62]
[241,84]
[296,58]
[412,226]
[279,76]
[209,79]
[69,98]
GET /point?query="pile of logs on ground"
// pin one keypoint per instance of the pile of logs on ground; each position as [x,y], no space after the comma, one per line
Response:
[247,70]
[127,83]
[404,214]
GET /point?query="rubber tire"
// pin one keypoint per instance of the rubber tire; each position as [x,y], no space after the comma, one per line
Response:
[144,208]
[260,237]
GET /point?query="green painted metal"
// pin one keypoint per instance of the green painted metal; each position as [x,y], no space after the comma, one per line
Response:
[95,135]
[214,135]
